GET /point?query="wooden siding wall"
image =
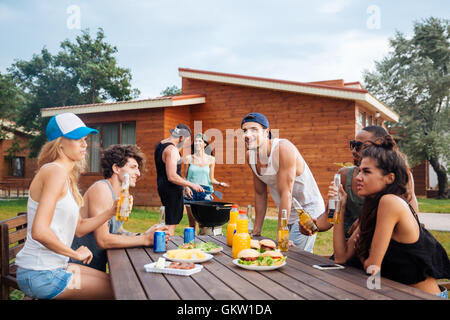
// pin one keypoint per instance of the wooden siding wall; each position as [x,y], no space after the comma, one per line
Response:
[30,163]
[319,127]
[149,131]
[420,175]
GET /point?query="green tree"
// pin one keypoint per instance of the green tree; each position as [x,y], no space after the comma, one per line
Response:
[92,64]
[171,91]
[84,71]
[12,98]
[413,79]
[47,85]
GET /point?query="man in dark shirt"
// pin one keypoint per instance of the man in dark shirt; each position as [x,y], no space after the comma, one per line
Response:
[168,175]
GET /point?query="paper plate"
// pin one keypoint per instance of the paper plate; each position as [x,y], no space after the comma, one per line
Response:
[258,268]
[207,257]
[180,272]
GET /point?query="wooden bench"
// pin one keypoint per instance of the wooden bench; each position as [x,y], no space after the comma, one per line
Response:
[13,233]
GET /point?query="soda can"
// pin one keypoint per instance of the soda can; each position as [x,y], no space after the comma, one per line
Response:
[189,235]
[159,241]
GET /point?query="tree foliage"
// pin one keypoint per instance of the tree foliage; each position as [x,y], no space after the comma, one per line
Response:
[413,79]
[84,71]
[171,91]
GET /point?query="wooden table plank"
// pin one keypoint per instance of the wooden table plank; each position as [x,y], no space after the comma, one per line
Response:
[155,285]
[301,290]
[389,287]
[314,283]
[242,286]
[335,278]
[265,284]
[212,283]
[124,280]
[220,279]
[185,287]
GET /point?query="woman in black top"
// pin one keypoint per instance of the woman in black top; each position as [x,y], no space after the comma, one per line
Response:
[389,236]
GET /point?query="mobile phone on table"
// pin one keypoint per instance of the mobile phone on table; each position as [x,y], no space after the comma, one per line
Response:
[329,266]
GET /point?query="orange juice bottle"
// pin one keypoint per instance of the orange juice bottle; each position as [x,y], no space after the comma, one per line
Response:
[241,239]
[231,227]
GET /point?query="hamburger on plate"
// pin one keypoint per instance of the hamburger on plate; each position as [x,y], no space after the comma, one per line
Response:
[267,245]
[248,257]
[271,258]
[254,244]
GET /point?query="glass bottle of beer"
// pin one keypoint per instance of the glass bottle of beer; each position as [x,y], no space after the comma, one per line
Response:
[162,216]
[124,199]
[304,217]
[250,221]
[283,232]
[334,203]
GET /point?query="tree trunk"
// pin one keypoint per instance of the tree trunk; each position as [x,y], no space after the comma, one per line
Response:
[442,177]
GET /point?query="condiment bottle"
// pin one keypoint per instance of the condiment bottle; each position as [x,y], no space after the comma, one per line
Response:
[241,239]
[231,227]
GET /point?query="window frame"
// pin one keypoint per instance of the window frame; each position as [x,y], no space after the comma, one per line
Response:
[99,127]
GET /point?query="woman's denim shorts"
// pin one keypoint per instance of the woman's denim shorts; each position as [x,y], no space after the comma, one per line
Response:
[444,293]
[43,284]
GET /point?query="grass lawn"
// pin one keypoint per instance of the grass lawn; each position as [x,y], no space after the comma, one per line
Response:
[142,218]
[434,205]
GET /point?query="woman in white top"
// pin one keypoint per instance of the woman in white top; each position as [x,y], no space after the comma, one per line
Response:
[53,220]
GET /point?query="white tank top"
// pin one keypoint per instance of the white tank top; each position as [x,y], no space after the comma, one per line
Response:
[305,189]
[34,255]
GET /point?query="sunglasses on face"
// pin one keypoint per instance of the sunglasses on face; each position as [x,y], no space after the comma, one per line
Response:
[357,145]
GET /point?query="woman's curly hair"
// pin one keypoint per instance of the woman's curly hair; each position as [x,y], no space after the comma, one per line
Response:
[118,154]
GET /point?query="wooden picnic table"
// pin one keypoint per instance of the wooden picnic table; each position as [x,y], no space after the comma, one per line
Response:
[220,279]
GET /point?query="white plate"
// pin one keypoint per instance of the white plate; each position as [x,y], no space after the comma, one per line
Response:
[258,268]
[208,257]
[181,272]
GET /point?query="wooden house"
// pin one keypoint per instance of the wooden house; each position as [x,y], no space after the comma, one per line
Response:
[16,167]
[318,117]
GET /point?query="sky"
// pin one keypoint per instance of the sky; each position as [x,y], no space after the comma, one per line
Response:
[281,39]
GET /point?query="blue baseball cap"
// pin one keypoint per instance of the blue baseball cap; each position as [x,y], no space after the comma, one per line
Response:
[258,118]
[67,125]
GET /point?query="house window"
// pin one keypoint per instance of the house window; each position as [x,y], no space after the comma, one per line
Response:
[15,166]
[360,118]
[109,134]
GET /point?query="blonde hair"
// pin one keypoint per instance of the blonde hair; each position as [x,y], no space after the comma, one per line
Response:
[50,152]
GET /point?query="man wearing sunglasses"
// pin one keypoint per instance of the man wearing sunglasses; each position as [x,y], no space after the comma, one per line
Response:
[348,181]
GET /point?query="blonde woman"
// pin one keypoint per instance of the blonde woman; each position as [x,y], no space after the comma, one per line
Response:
[53,208]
